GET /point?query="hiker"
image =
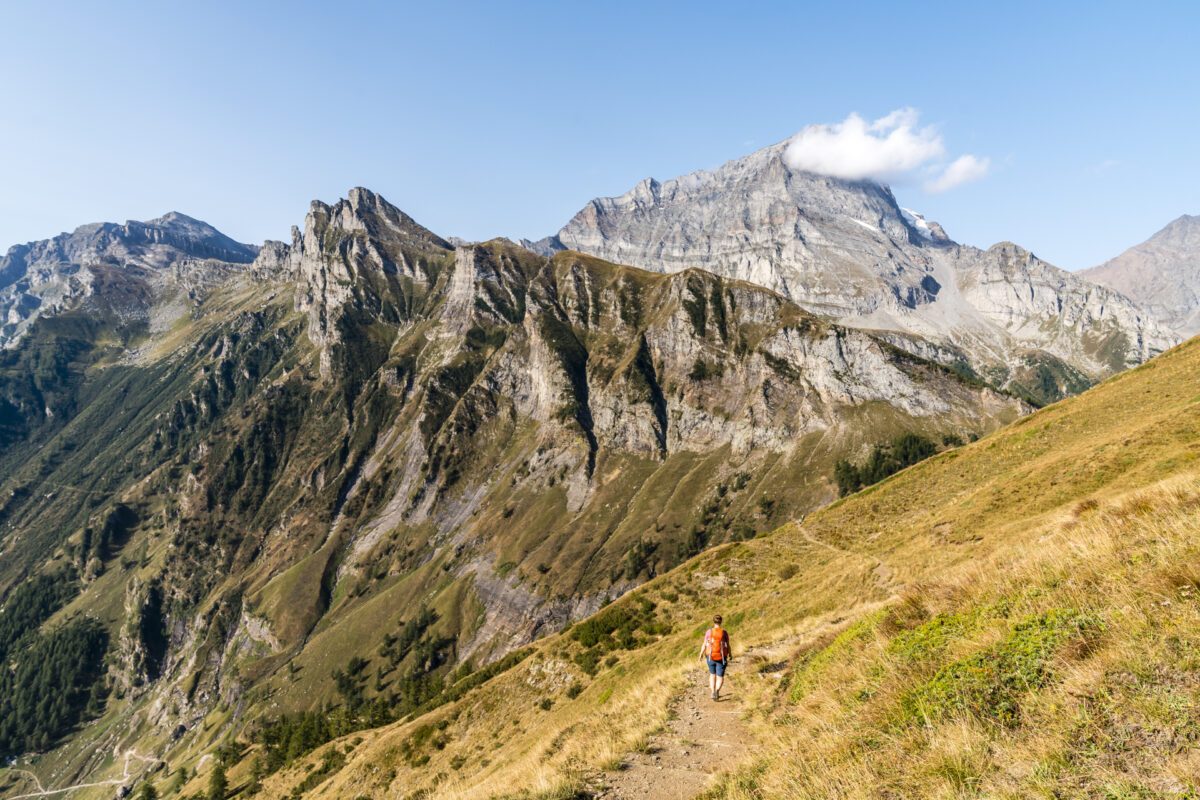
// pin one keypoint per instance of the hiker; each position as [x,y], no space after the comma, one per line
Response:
[716,651]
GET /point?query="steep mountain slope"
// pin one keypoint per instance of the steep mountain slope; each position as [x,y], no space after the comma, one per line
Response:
[172,251]
[1162,274]
[845,250]
[1014,618]
[371,453]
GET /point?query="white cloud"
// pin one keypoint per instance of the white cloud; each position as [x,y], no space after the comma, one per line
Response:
[891,148]
[963,169]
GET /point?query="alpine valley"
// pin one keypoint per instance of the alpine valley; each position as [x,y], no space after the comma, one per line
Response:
[356,487]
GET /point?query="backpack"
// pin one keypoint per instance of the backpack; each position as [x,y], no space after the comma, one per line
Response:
[716,644]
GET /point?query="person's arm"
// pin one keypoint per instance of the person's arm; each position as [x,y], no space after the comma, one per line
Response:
[704,645]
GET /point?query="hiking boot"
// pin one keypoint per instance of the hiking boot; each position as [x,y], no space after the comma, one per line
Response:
[714,695]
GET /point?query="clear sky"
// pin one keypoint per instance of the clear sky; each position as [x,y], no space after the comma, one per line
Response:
[503,119]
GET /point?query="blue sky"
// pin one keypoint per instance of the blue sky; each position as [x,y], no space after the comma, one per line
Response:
[495,119]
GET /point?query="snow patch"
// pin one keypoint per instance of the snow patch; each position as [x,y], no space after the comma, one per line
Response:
[917,223]
[866,225]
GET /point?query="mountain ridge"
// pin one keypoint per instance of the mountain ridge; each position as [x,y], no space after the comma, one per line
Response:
[846,251]
[1162,273]
[163,255]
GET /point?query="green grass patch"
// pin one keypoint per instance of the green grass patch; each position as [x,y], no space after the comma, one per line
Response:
[990,684]
[812,664]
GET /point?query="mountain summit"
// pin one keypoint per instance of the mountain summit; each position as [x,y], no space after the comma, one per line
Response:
[50,275]
[1162,273]
[845,250]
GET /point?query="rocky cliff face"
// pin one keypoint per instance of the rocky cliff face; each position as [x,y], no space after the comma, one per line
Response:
[136,259]
[835,245]
[845,250]
[1162,274]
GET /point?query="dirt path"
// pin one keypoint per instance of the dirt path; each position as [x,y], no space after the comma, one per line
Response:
[882,572]
[124,779]
[702,738]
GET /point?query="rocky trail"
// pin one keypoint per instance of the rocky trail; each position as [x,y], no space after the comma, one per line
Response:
[702,738]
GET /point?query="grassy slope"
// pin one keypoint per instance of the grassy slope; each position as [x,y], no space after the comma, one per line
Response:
[1015,618]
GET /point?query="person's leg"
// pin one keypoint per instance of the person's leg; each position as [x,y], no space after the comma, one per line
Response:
[720,681]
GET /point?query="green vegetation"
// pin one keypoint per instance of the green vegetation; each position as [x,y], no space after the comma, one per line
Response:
[30,604]
[885,460]
[51,685]
[218,785]
[616,625]
[425,658]
[702,370]
[991,683]
[1045,380]
[812,663]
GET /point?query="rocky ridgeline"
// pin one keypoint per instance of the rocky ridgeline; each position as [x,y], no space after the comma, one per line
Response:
[846,251]
[1162,274]
[135,260]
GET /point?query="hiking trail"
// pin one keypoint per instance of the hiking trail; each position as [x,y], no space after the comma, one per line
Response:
[882,573]
[703,737]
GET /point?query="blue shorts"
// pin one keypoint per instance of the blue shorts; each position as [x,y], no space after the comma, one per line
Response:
[716,667]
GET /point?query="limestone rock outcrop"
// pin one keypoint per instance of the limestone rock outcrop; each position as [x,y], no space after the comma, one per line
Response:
[137,259]
[845,250]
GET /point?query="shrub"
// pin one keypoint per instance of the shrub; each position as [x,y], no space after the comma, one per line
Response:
[990,684]
[588,661]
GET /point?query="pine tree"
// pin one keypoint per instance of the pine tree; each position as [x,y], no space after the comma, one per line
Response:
[218,786]
[257,770]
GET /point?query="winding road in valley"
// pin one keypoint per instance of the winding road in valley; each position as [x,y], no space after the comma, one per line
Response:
[42,792]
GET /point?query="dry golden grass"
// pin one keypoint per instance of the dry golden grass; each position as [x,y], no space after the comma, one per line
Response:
[1111,717]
